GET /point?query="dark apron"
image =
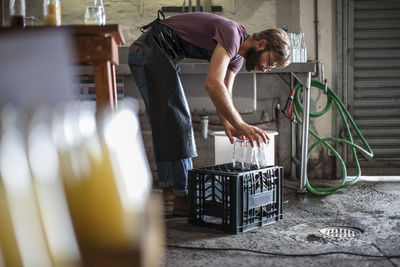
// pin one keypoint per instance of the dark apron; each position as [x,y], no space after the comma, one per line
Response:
[170,116]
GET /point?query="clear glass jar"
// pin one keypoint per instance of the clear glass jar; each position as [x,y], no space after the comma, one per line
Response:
[52,12]
[17,13]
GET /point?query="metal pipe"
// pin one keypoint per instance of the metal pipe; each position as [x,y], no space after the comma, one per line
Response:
[322,72]
[293,153]
[204,127]
[304,135]
[296,161]
[207,6]
[198,6]
[316,21]
[141,7]
[293,149]
[298,147]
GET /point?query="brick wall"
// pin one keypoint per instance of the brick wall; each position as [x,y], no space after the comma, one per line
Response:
[256,15]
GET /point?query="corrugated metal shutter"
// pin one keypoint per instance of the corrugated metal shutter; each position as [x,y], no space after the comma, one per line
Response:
[375,97]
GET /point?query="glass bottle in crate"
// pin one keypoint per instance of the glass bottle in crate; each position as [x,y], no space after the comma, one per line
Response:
[258,158]
[52,12]
[239,152]
[17,13]
[245,157]
[262,153]
[254,162]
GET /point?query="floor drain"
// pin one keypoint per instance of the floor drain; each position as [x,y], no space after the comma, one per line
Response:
[340,232]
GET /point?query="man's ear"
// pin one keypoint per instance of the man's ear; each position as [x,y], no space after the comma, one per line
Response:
[261,44]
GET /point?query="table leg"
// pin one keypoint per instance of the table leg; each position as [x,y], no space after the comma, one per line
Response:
[114,86]
[304,135]
[106,91]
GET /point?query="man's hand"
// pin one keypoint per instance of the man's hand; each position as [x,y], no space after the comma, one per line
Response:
[231,131]
[246,131]
[252,133]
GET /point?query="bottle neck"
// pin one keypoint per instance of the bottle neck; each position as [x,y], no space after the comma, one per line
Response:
[98,2]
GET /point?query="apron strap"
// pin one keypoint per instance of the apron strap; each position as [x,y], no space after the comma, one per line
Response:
[154,22]
[160,13]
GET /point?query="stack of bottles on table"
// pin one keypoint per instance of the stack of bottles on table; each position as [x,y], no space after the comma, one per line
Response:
[298,51]
[51,12]
[94,14]
[70,179]
[246,157]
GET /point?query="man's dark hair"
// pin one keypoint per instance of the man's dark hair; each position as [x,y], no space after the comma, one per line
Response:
[278,43]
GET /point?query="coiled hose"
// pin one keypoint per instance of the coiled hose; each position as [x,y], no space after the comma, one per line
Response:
[333,99]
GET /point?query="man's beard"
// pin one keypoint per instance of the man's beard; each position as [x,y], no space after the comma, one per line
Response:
[253,58]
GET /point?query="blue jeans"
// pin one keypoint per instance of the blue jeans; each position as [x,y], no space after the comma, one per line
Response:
[170,173]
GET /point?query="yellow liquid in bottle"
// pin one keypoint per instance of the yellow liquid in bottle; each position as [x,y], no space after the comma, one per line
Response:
[8,243]
[19,209]
[50,20]
[96,207]
[50,196]
[52,15]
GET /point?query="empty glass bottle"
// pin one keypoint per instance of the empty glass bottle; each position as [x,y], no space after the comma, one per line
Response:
[239,153]
[303,49]
[99,3]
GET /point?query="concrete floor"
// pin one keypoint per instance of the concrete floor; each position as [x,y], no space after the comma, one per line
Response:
[373,208]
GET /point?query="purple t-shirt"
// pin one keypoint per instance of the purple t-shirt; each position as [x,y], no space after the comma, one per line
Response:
[205,30]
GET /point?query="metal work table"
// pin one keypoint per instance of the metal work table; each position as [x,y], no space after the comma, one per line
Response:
[302,73]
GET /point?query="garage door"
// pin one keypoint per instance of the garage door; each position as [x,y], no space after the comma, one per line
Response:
[374,97]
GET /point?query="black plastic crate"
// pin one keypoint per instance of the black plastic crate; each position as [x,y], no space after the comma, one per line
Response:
[235,201]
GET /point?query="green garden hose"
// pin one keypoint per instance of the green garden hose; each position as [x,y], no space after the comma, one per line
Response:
[333,99]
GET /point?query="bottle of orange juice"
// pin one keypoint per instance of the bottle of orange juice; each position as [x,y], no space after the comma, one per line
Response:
[52,12]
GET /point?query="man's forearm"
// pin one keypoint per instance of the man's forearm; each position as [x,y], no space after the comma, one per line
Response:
[224,104]
[218,84]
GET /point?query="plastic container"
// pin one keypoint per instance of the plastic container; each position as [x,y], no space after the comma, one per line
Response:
[224,198]
[52,12]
